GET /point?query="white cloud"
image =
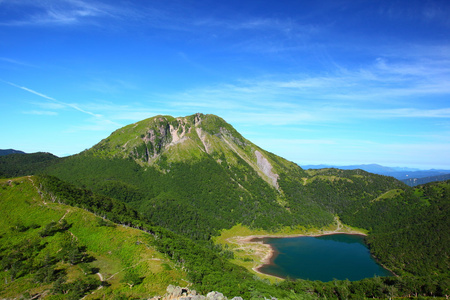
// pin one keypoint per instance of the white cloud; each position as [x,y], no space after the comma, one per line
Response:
[70,105]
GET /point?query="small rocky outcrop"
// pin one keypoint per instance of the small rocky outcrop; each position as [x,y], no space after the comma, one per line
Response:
[179,293]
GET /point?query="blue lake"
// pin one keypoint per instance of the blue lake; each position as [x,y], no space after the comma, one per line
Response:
[324,258]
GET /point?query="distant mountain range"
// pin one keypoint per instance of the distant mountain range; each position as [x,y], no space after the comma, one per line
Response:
[10,151]
[418,181]
[401,173]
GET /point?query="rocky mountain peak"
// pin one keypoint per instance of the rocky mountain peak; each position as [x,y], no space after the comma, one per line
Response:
[183,139]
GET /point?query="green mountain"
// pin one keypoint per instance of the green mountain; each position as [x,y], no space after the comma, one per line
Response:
[201,169]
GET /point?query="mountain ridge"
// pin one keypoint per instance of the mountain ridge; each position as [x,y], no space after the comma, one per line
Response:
[10,151]
[399,173]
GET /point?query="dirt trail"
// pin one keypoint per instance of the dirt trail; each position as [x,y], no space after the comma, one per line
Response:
[62,218]
[37,189]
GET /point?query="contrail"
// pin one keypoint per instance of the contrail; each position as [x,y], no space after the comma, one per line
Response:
[52,99]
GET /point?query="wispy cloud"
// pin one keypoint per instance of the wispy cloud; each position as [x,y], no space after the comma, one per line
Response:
[387,88]
[63,12]
[70,105]
[16,62]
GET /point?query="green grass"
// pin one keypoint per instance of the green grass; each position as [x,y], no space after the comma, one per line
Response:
[389,195]
[116,250]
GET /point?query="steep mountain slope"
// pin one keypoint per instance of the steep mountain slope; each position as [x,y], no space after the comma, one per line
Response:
[197,175]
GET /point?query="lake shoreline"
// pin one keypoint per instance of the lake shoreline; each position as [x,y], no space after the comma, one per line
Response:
[268,257]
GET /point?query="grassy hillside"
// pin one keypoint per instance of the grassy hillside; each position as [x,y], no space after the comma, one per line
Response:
[50,248]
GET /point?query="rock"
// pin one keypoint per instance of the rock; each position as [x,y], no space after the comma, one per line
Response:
[174,291]
[170,289]
[215,296]
[194,297]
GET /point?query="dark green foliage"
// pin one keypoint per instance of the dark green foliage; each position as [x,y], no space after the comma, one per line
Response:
[46,274]
[18,259]
[54,227]
[72,253]
[132,279]
[22,259]
[114,210]
[378,287]
[77,289]
[20,227]
[181,199]
[18,164]
[415,237]
[340,191]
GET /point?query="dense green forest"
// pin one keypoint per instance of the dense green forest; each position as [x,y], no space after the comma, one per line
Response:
[191,190]
[21,164]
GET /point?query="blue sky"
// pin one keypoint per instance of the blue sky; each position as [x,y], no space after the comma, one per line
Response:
[334,82]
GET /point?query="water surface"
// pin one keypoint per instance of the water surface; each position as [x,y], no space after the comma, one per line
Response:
[327,257]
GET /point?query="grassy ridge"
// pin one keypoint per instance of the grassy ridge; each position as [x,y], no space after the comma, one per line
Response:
[118,253]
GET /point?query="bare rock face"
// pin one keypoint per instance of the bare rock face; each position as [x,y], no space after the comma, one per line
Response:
[265,166]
